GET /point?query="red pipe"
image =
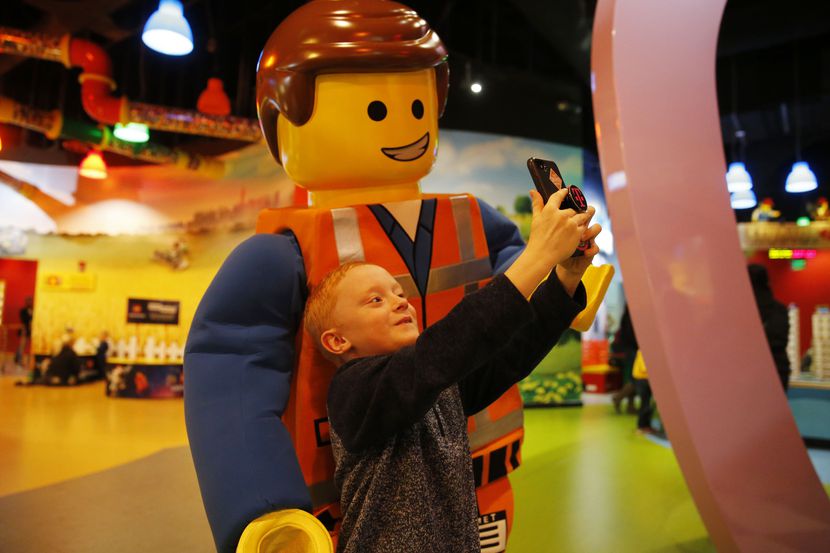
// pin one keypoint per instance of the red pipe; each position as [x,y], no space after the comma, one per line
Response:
[96,82]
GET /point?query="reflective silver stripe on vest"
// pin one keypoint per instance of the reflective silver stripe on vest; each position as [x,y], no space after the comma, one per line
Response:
[347,235]
[323,493]
[464,231]
[448,277]
[470,270]
[410,290]
[493,430]
[463,226]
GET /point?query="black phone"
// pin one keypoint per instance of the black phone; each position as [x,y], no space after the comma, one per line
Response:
[548,181]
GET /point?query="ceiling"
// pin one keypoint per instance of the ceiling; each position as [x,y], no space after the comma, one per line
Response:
[532,56]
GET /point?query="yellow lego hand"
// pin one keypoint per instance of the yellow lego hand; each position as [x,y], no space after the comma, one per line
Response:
[286,531]
[596,281]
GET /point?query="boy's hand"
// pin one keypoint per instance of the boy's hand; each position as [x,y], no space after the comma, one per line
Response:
[555,232]
[571,270]
[554,235]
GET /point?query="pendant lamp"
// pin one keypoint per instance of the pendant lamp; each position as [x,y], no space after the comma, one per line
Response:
[743,199]
[137,133]
[737,178]
[213,99]
[167,31]
[801,178]
[93,166]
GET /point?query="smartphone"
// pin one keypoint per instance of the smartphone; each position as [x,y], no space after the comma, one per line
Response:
[548,181]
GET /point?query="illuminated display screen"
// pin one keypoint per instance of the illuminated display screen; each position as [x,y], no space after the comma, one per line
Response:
[791,254]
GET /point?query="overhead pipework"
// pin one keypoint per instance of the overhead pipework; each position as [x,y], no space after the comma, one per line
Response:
[97,86]
[55,126]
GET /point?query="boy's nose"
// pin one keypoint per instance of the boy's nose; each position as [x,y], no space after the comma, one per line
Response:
[402,304]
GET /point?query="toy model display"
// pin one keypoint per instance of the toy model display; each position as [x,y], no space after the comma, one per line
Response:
[349,95]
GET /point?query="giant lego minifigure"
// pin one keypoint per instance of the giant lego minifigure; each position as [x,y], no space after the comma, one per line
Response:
[349,95]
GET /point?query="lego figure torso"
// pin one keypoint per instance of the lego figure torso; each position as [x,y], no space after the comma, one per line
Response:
[448,258]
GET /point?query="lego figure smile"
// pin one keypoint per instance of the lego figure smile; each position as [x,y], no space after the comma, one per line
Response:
[410,152]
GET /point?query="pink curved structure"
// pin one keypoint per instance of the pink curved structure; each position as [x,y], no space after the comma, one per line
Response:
[653,80]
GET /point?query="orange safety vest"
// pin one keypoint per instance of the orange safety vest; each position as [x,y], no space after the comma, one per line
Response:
[460,263]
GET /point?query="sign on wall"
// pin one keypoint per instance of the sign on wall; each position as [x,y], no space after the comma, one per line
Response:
[157,312]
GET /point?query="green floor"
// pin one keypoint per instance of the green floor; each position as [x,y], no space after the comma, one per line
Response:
[588,483]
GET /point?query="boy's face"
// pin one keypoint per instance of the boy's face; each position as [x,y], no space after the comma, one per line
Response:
[371,315]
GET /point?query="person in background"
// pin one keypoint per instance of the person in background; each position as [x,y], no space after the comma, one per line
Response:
[101,354]
[639,376]
[623,351]
[25,332]
[65,367]
[775,319]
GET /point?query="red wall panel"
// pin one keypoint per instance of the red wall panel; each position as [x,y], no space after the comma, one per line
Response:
[805,288]
[20,276]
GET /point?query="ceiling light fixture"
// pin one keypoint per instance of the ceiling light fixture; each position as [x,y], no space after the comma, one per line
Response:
[737,177]
[801,178]
[213,99]
[476,87]
[137,133]
[743,199]
[93,166]
[167,31]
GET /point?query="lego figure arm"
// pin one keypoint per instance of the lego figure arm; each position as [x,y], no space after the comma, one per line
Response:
[503,238]
[238,362]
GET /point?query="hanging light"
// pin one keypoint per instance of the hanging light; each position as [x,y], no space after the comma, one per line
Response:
[801,178]
[737,178]
[167,31]
[743,199]
[93,166]
[213,99]
[137,133]
[476,87]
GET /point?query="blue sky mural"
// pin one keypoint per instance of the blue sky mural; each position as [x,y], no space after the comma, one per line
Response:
[494,167]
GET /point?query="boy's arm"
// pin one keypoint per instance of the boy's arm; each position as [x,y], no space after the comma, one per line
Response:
[373,398]
[553,310]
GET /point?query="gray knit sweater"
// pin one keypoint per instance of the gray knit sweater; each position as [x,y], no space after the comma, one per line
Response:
[398,421]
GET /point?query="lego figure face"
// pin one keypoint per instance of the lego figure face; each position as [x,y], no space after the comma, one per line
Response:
[366,130]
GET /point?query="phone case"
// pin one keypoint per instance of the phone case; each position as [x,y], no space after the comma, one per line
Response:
[548,180]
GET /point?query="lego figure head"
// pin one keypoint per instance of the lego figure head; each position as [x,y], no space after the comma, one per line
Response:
[349,93]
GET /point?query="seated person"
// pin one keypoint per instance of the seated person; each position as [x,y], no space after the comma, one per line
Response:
[399,400]
[64,367]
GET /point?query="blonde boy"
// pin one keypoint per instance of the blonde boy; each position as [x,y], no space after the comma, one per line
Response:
[399,400]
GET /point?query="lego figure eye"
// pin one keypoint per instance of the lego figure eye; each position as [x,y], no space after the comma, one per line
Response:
[417,109]
[377,111]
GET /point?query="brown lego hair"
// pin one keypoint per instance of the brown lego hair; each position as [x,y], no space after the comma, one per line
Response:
[320,305]
[340,36]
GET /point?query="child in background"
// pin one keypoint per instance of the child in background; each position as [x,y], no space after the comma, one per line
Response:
[398,403]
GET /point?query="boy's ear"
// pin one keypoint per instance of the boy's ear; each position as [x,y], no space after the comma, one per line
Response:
[334,343]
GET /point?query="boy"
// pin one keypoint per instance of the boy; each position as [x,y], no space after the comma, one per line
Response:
[399,400]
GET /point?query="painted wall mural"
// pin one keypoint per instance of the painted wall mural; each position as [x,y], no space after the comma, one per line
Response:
[162,232]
